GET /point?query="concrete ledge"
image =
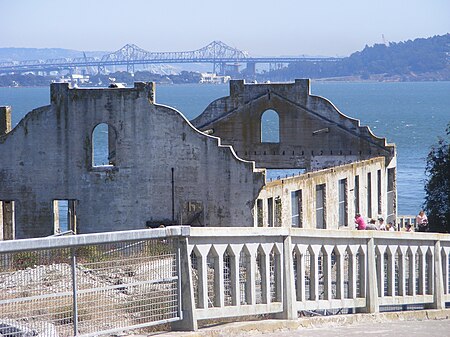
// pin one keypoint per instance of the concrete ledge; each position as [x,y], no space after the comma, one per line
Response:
[269,326]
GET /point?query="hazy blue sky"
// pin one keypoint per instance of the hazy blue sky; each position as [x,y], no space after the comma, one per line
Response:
[261,27]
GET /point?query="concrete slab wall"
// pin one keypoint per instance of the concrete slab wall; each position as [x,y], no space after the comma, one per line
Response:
[48,156]
[313,133]
[282,189]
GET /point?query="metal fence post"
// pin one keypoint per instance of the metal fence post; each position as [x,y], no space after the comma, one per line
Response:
[74,291]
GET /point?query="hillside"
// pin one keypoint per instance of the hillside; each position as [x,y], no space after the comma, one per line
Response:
[26,54]
[421,59]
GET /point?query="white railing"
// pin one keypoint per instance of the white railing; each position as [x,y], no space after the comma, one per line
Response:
[219,272]
[248,271]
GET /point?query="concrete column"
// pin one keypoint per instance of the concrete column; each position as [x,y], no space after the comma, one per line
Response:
[289,293]
[314,267]
[235,274]
[340,257]
[412,272]
[391,271]
[352,272]
[372,305]
[438,289]
[5,120]
[188,321]
[251,274]
[402,272]
[202,281]
[445,274]
[326,265]
[421,275]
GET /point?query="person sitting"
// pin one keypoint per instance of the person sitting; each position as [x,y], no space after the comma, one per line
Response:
[422,222]
[381,224]
[408,227]
[390,227]
[372,225]
[359,221]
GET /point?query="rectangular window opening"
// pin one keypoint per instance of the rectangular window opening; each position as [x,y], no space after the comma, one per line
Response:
[64,216]
[343,206]
[390,194]
[270,212]
[321,207]
[369,195]
[259,212]
[297,209]
[7,220]
[380,206]
[356,191]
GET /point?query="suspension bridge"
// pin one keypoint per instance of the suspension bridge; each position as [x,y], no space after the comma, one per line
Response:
[216,53]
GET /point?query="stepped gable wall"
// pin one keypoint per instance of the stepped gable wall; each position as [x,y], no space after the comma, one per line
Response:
[311,134]
[160,169]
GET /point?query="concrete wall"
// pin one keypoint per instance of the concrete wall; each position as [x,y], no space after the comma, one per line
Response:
[313,133]
[282,189]
[48,156]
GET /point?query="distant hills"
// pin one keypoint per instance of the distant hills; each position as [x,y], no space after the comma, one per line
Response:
[422,59]
[27,54]
[419,60]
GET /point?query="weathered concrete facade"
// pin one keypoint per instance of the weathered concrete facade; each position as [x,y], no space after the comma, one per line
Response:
[357,169]
[329,198]
[313,133]
[160,170]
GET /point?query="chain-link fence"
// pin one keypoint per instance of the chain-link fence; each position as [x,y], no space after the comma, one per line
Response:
[69,288]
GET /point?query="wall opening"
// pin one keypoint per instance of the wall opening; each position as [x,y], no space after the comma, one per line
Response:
[380,205]
[103,145]
[278,212]
[64,216]
[343,205]
[7,220]
[320,207]
[270,212]
[270,127]
[390,194]
[259,213]
[356,193]
[369,195]
[297,209]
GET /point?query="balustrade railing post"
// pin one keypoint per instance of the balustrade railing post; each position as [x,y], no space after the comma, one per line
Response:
[438,288]
[372,305]
[188,321]
[289,293]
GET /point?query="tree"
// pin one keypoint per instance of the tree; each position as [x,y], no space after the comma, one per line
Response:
[437,185]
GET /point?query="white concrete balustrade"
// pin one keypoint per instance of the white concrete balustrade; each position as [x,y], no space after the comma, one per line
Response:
[248,271]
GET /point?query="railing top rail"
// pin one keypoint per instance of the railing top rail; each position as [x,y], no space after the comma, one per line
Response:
[208,232]
[95,238]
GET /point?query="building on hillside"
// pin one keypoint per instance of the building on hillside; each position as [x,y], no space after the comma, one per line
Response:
[98,160]
[211,78]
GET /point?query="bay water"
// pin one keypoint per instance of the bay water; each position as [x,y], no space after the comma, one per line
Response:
[410,114]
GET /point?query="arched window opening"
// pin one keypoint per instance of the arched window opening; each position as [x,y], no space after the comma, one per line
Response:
[103,145]
[270,127]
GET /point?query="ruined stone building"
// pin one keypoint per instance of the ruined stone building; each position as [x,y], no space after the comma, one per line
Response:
[162,169]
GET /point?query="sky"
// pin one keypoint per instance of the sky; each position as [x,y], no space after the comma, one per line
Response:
[260,27]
